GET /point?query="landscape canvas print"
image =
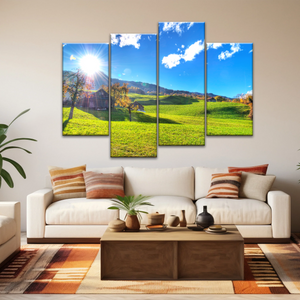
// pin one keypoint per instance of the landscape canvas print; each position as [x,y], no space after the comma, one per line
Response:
[181,83]
[133,95]
[85,89]
[229,89]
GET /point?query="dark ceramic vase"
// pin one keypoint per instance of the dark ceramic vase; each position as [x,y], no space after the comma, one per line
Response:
[204,219]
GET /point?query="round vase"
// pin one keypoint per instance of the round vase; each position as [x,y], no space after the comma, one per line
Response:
[132,223]
[204,219]
[173,221]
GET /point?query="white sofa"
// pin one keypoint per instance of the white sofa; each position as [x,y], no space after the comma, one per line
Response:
[10,230]
[171,190]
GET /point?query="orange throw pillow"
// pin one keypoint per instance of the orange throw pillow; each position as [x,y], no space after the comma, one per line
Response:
[259,170]
[100,185]
[67,183]
[225,185]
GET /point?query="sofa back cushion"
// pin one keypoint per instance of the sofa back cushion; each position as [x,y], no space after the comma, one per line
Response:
[203,180]
[160,182]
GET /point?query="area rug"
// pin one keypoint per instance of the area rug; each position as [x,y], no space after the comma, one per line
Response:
[75,269]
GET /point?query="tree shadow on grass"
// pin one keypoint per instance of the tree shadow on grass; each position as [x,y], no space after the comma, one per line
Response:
[99,114]
[141,117]
[65,123]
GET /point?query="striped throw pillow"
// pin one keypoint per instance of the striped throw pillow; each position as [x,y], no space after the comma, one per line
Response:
[67,183]
[225,185]
[103,185]
[259,170]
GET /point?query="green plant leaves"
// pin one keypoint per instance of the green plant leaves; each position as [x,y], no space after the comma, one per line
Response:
[22,113]
[14,147]
[3,129]
[130,204]
[5,175]
[16,165]
[18,139]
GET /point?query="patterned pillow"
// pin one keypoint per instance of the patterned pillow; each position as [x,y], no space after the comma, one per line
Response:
[101,185]
[225,185]
[259,170]
[67,183]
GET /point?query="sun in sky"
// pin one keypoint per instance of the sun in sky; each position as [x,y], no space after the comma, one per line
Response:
[89,64]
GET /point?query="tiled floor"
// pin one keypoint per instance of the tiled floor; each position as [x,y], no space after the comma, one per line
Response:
[145,297]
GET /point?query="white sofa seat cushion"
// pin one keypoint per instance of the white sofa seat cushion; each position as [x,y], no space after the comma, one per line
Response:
[168,205]
[236,211]
[80,211]
[160,182]
[8,228]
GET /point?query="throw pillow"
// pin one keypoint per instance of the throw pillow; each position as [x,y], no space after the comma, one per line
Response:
[100,185]
[255,186]
[67,183]
[225,185]
[259,170]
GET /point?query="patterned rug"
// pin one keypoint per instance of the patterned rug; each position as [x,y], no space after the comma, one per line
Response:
[74,269]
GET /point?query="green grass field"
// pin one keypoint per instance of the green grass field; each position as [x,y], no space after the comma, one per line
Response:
[181,121]
[85,123]
[226,118]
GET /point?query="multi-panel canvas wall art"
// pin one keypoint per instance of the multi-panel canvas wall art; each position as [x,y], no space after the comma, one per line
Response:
[133,95]
[229,89]
[85,89]
[181,83]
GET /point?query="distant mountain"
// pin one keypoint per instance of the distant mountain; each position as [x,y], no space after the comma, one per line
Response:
[102,79]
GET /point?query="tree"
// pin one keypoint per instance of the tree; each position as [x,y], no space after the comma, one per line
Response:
[74,84]
[120,97]
[249,100]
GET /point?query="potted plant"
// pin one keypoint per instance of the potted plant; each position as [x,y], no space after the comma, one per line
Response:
[3,148]
[131,205]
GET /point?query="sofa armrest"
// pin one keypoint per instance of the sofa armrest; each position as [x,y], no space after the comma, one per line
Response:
[37,203]
[13,210]
[280,204]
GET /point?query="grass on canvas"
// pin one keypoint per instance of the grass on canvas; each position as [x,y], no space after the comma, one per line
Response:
[85,123]
[226,118]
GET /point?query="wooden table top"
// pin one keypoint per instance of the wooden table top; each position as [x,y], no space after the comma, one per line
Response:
[173,234]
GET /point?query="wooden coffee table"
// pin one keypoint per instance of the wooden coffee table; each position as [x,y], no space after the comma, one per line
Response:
[176,253]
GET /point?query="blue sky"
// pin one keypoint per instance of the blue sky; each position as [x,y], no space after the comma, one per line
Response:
[181,56]
[229,69]
[133,57]
[75,54]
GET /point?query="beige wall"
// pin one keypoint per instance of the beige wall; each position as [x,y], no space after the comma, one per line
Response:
[31,35]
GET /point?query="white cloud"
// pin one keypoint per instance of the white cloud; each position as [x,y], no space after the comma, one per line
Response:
[193,50]
[249,92]
[172,60]
[114,39]
[149,38]
[123,74]
[64,45]
[72,57]
[182,46]
[176,26]
[130,40]
[249,85]
[190,25]
[178,49]
[226,54]
[213,45]
[251,51]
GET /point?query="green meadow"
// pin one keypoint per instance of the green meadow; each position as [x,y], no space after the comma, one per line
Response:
[227,118]
[85,122]
[181,121]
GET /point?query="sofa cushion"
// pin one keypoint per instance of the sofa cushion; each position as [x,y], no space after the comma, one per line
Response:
[236,211]
[80,211]
[168,205]
[256,186]
[159,182]
[8,228]
[67,183]
[203,180]
[100,185]
[225,185]
[259,170]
